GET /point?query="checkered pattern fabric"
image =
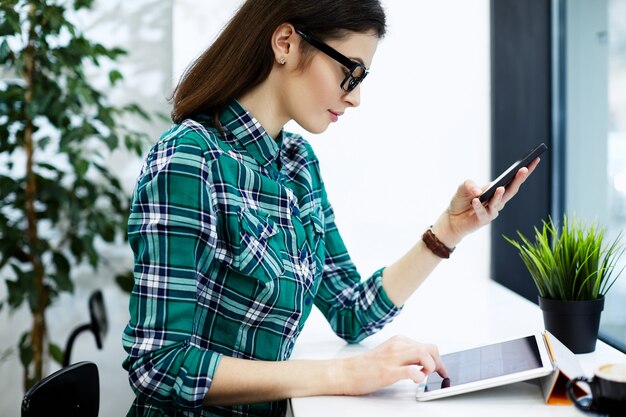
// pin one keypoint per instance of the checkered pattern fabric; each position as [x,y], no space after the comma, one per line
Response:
[234,241]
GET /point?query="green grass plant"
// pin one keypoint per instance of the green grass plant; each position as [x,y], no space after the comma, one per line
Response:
[570,263]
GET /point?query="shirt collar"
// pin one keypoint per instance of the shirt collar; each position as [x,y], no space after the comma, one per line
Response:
[248,131]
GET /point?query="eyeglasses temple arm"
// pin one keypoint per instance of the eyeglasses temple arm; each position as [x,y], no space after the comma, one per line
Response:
[342,59]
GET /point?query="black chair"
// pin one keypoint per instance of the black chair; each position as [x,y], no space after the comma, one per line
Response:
[73,391]
[98,325]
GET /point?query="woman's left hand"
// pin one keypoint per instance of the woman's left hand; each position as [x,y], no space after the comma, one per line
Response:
[466,213]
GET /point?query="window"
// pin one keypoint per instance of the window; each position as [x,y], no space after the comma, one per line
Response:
[559,72]
[595,131]
[613,326]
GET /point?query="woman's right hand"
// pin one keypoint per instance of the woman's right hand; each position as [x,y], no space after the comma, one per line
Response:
[243,381]
[397,358]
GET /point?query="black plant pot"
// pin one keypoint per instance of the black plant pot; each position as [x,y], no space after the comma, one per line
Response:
[574,323]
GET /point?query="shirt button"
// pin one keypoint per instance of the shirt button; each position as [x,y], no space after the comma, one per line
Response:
[276,175]
[308,301]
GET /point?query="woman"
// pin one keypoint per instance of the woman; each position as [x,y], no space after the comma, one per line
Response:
[235,239]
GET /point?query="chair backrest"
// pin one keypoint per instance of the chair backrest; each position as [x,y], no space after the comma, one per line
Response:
[72,391]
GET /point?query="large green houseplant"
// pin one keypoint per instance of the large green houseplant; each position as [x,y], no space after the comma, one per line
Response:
[573,268]
[58,198]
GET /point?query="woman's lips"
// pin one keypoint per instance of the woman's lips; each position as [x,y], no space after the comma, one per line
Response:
[334,116]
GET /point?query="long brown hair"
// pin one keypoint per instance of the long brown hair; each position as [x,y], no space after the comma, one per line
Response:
[241,57]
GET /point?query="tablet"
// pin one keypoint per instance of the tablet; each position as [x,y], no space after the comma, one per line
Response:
[489,366]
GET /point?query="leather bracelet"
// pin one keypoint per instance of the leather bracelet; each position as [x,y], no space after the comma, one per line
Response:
[435,245]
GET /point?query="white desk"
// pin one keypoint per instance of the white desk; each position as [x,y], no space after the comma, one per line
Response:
[453,313]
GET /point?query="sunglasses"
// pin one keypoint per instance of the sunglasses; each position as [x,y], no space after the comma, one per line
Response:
[356,71]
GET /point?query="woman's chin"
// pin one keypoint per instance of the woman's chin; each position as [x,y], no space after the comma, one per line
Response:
[315,128]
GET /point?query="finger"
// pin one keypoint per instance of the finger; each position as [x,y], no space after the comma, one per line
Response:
[488,212]
[440,366]
[472,189]
[427,362]
[515,185]
[525,172]
[480,211]
[413,373]
[468,190]
[422,354]
[496,203]
[531,167]
[414,353]
[521,176]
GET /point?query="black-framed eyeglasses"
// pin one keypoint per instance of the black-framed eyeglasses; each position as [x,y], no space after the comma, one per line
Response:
[356,71]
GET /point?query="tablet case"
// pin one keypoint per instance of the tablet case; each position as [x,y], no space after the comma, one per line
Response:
[566,367]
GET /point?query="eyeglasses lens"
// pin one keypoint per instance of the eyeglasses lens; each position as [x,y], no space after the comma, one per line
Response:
[354,78]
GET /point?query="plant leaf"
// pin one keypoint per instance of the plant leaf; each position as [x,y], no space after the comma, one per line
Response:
[126,281]
[571,262]
[56,353]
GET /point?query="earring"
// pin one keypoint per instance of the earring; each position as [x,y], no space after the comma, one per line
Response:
[282,60]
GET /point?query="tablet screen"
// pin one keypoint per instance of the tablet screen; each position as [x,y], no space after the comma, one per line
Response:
[487,362]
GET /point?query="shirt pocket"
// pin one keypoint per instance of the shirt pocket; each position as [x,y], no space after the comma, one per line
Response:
[318,245]
[258,251]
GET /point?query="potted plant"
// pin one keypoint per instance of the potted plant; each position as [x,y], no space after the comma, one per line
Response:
[573,269]
[58,197]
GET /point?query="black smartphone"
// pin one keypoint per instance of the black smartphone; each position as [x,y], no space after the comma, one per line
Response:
[507,176]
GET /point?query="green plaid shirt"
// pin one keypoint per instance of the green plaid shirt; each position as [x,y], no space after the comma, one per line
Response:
[234,241]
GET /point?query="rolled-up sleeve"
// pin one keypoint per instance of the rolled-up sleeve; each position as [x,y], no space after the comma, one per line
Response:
[172,231]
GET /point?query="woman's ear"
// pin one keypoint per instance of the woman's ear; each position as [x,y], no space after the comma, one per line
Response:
[284,43]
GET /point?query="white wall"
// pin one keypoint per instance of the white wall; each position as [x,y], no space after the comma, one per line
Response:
[390,166]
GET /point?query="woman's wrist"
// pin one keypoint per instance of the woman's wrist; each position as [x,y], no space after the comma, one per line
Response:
[435,245]
[331,377]
[445,232]
[340,375]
